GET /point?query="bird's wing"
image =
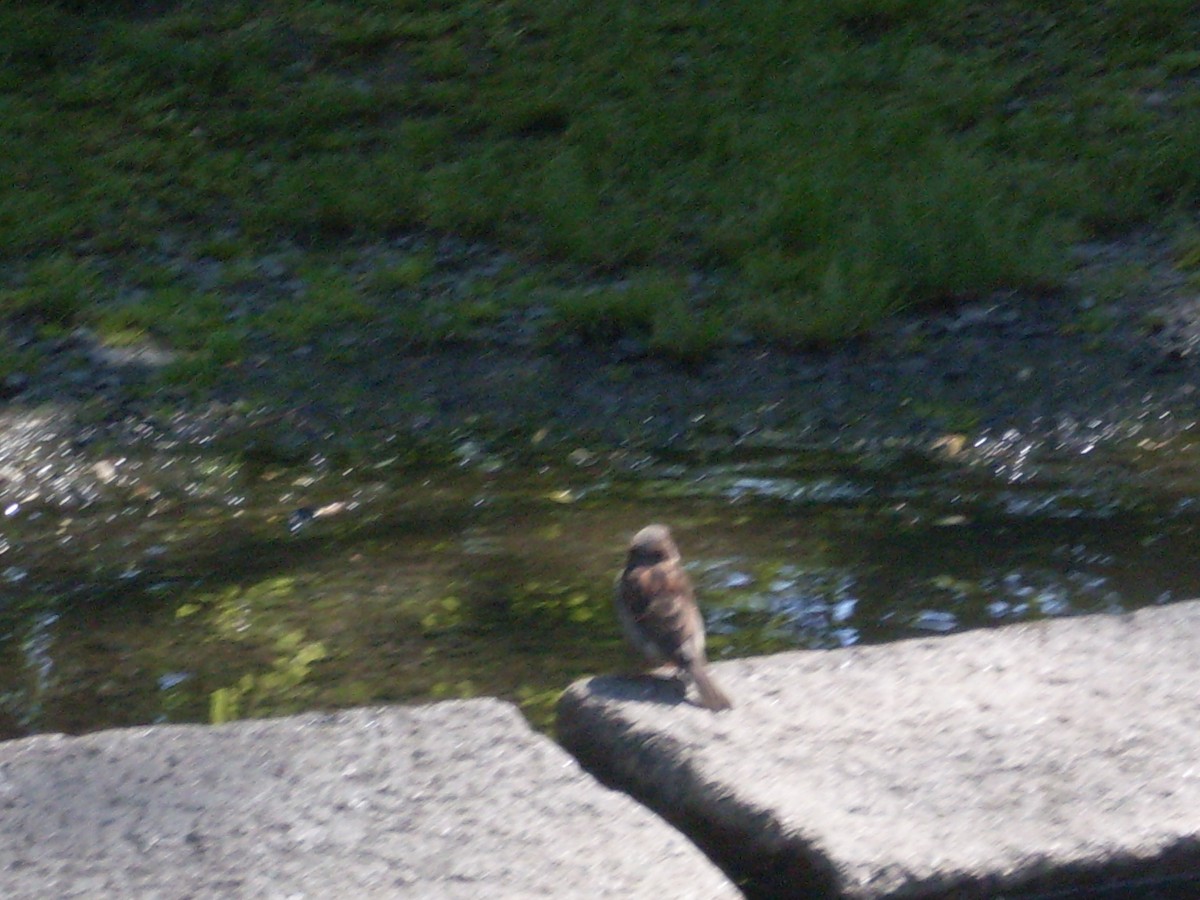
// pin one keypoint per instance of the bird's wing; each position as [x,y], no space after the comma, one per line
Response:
[660,598]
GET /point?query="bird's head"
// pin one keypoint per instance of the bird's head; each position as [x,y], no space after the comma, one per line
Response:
[652,545]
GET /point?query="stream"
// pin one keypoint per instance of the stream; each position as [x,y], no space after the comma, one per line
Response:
[204,591]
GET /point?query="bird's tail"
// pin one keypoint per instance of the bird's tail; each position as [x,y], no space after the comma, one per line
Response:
[710,695]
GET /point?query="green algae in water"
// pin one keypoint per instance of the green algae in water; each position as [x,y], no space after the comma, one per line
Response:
[461,580]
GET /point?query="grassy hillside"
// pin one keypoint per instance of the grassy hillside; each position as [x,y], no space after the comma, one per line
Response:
[790,170]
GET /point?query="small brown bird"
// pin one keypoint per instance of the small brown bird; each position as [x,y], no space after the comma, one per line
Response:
[657,610]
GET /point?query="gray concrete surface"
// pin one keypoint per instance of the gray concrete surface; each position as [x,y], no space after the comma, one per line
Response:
[1045,759]
[452,800]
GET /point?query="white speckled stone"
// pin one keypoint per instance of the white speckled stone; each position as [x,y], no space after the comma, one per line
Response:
[451,800]
[1038,756]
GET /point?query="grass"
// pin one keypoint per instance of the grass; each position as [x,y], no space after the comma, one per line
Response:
[53,289]
[822,163]
[15,360]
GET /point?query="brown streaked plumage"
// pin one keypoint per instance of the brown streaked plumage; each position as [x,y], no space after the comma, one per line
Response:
[658,613]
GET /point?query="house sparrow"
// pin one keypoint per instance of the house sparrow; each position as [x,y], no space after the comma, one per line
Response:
[658,613]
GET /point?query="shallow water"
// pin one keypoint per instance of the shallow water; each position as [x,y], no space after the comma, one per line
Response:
[211,593]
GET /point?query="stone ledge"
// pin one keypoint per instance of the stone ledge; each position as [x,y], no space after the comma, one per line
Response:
[1056,756]
[453,800]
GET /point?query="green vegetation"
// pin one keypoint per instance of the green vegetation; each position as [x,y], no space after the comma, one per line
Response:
[281,688]
[1187,251]
[55,289]
[820,163]
[15,360]
[254,619]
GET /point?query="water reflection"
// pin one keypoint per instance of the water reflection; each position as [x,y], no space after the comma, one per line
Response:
[233,596]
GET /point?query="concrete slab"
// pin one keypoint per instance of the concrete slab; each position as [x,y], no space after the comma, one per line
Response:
[1057,756]
[452,800]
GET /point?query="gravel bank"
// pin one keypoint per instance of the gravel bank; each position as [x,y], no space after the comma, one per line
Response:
[1007,379]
